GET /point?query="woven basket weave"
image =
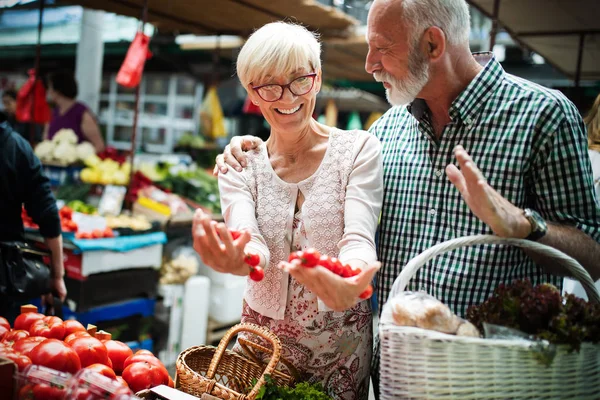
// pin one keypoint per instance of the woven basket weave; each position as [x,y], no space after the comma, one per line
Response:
[423,364]
[226,374]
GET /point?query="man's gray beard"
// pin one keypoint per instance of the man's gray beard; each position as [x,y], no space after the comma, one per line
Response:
[406,90]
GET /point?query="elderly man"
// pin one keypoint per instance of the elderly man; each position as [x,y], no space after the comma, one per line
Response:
[515,151]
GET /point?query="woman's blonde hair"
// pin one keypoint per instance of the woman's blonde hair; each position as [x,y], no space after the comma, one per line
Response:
[277,49]
[592,122]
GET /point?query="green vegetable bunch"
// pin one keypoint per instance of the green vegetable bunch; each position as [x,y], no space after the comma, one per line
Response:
[302,391]
[540,311]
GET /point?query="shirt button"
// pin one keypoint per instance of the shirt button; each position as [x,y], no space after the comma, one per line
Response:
[438,173]
[433,212]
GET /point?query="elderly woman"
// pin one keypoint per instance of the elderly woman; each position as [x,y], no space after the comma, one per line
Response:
[308,185]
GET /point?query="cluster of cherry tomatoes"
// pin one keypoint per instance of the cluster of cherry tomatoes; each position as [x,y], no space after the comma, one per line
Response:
[68,347]
[311,258]
[96,234]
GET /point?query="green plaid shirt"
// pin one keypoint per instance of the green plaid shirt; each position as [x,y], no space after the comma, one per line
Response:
[529,142]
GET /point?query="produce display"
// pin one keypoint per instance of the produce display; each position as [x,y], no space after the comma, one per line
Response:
[67,347]
[311,258]
[105,172]
[66,220]
[196,184]
[63,149]
[178,270]
[540,311]
[136,223]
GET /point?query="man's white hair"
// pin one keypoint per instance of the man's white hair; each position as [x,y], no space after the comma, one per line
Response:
[451,16]
[278,49]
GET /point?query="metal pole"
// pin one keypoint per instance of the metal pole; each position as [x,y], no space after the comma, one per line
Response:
[494,30]
[136,107]
[579,60]
[38,56]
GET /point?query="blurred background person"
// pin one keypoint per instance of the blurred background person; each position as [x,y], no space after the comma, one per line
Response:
[69,113]
[9,102]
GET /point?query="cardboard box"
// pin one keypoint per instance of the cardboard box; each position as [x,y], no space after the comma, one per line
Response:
[8,387]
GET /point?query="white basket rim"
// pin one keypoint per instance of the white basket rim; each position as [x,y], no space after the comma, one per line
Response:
[577,271]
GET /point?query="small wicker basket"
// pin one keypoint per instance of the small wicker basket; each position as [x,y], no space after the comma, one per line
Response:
[423,364]
[226,374]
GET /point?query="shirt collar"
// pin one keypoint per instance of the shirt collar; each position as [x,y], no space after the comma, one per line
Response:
[466,105]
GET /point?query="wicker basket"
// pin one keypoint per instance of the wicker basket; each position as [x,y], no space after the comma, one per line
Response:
[423,364]
[226,374]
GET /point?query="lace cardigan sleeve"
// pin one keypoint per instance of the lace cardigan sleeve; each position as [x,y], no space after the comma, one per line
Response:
[364,195]
[239,209]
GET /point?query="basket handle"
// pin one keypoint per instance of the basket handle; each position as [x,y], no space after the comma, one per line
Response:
[246,345]
[578,272]
[259,331]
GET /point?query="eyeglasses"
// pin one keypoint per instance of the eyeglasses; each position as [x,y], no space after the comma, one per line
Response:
[299,87]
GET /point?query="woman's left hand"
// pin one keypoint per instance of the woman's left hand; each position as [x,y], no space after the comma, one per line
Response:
[337,293]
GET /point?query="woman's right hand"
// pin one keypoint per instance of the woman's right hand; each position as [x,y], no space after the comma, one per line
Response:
[233,155]
[216,246]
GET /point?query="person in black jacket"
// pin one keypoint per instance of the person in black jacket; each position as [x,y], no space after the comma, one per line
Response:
[22,182]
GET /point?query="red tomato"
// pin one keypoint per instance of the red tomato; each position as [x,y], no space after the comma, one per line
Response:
[257,274]
[90,351]
[19,359]
[108,233]
[26,319]
[235,234]
[310,258]
[24,346]
[55,354]
[72,326]
[143,375]
[14,335]
[69,339]
[66,212]
[103,370]
[338,267]
[50,327]
[325,262]
[143,357]
[4,322]
[252,259]
[171,384]
[367,292]
[48,392]
[295,255]
[118,352]
[97,234]
[144,351]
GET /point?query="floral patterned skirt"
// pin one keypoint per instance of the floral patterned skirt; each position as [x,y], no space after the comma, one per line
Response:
[333,348]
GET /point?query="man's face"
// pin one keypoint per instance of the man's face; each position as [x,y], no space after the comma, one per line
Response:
[10,105]
[393,59]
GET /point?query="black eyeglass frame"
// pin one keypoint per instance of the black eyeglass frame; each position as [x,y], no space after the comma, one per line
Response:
[288,86]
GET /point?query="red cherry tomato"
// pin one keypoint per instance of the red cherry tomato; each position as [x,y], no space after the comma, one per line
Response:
[257,274]
[235,234]
[118,352]
[72,326]
[103,370]
[55,354]
[325,261]
[50,327]
[295,256]
[252,259]
[310,258]
[90,351]
[368,292]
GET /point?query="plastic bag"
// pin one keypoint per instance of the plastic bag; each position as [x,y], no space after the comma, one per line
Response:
[132,68]
[211,115]
[31,101]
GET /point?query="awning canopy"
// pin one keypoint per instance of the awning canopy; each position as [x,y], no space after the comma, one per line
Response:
[345,58]
[565,32]
[227,17]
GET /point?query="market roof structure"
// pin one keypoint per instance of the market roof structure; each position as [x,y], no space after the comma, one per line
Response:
[565,32]
[227,17]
